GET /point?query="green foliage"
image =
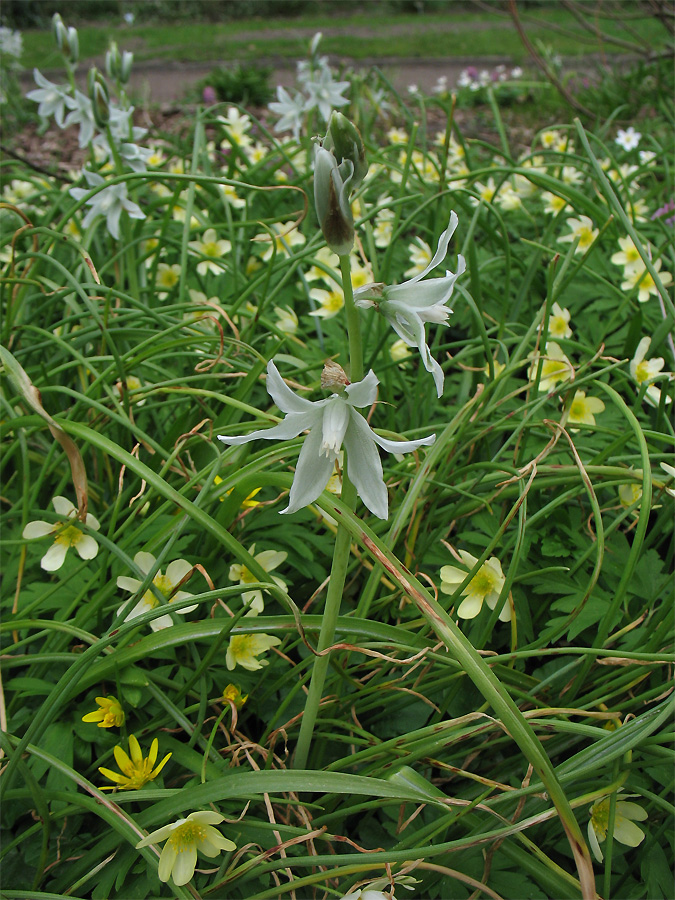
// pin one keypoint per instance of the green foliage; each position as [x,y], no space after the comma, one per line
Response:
[245,85]
[453,754]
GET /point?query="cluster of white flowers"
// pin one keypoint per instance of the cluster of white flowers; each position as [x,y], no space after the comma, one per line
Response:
[318,90]
[476,80]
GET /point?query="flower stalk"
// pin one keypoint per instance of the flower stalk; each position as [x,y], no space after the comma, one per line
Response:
[341,551]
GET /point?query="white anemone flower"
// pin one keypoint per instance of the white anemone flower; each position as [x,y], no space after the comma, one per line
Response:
[53,99]
[183,839]
[269,560]
[67,533]
[485,586]
[165,585]
[645,370]
[109,203]
[628,139]
[409,306]
[332,423]
[625,830]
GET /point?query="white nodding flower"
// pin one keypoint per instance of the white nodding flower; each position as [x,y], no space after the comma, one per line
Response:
[109,203]
[183,839]
[332,423]
[409,306]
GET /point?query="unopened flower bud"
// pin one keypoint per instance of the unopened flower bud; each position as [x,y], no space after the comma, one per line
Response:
[125,66]
[59,30]
[71,45]
[331,198]
[112,61]
[345,141]
[100,97]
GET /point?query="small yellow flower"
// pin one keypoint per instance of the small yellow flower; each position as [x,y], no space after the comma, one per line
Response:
[248,503]
[244,649]
[553,204]
[486,585]
[136,769]
[583,409]
[625,830]
[232,693]
[185,838]
[109,713]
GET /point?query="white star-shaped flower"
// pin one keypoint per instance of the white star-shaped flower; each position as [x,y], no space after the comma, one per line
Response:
[332,423]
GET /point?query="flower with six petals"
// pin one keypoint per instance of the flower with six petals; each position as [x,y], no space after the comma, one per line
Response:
[109,713]
[331,422]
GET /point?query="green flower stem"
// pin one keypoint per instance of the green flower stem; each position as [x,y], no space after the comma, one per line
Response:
[353,323]
[338,572]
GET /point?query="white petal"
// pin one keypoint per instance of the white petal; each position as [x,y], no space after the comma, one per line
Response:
[64,507]
[401,446]
[87,547]
[363,393]
[470,606]
[365,467]
[184,866]
[54,557]
[166,861]
[593,841]
[128,584]
[627,832]
[177,570]
[283,396]
[312,472]
[441,250]
[270,559]
[144,561]
[38,530]
[290,427]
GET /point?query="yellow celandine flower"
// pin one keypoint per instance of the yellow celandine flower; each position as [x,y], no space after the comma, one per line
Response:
[136,769]
[330,302]
[244,649]
[185,837]
[269,560]
[555,367]
[234,694]
[109,713]
[212,248]
[485,586]
[581,228]
[248,502]
[583,409]
[66,534]
[643,281]
[286,236]
[164,584]
[625,830]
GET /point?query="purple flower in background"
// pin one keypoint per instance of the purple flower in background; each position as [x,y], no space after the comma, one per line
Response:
[209,95]
[669,207]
